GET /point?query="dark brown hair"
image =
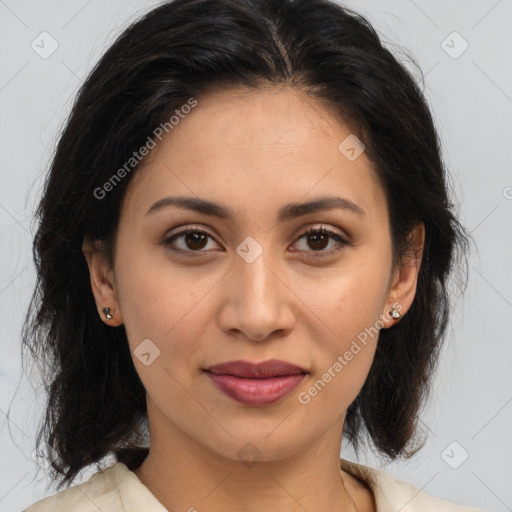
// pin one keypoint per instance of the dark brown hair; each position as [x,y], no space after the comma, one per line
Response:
[186,48]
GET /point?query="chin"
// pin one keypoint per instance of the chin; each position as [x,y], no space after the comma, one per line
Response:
[258,447]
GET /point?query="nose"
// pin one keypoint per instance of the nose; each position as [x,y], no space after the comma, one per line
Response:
[258,302]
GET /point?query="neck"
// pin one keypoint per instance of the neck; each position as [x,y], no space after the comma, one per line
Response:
[185,475]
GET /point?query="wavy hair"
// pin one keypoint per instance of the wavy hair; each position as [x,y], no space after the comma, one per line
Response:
[96,402]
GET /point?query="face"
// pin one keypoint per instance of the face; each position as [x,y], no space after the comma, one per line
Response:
[252,285]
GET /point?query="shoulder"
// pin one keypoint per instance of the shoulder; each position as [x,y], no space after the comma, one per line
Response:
[390,493]
[114,489]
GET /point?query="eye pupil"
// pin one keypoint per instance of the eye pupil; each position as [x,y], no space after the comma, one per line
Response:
[193,238]
[195,241]
[319,237]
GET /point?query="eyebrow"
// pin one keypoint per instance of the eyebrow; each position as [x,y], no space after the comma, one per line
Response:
[287,212]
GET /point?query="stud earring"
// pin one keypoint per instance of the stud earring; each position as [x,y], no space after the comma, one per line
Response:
[106,312]
[395,314]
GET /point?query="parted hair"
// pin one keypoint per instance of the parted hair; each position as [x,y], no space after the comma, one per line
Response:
[96,404]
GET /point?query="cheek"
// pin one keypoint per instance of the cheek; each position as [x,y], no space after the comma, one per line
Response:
[342,364]
[164,307]
[351,312]
[353,297]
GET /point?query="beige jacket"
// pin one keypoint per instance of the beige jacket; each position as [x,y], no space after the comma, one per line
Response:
[117,489]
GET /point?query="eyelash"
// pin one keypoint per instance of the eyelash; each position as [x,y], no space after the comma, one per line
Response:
[312,231]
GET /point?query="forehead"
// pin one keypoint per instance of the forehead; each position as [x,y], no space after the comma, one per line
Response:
[254,148]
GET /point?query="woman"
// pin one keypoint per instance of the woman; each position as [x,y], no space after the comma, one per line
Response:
[243,253]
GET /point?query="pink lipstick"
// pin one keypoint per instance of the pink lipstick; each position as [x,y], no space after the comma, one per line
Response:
[256,384]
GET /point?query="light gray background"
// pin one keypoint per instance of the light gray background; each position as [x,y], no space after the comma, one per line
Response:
[471,97]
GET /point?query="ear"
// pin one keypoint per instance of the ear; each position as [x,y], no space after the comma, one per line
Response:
[405,277]
[102,282]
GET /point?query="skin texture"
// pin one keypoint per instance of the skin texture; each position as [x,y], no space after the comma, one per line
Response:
[254,152]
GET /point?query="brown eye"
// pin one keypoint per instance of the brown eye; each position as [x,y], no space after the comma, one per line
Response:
[317,239]
[195,240]
[192,240]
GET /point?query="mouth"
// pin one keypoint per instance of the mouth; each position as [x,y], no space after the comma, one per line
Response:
[256,384]
[263,370]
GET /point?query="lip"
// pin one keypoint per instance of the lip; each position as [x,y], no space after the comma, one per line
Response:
[263,370]
[256,384]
